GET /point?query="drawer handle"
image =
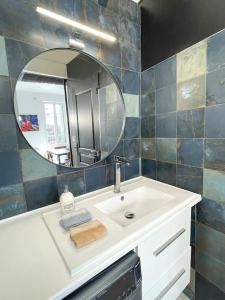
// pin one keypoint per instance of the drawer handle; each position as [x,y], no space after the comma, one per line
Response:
[170,285]
[170,241]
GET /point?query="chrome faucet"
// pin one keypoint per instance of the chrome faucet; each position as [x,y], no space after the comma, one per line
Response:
[118,160]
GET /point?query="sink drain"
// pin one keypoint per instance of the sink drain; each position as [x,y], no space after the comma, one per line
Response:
[129,215]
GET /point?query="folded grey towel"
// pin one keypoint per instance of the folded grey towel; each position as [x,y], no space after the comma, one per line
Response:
[75,218]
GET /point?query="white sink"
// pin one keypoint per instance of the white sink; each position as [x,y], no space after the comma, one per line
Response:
[126,208]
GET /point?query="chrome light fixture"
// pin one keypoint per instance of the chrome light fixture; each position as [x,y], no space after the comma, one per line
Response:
[75,24]
[75,43]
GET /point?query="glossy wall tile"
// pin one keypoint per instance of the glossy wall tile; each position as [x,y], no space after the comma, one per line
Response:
[165,73]
[211,268]
[191,94]
[23,35]
[166,172]
[190,178]
[206,290]
[166,150]
[210,241]
[215,91]
[212,213]
[40,192]
[6,106]
[215,52]
[191,63]
[215,121]
[166,125]
[190,123]
[190,152]
[148,148]
[166,99]
[189,146]
[12,200]
[3,59]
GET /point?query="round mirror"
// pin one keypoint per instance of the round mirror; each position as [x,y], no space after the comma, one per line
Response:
[69,108]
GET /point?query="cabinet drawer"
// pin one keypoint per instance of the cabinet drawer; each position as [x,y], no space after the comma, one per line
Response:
[172,284]
[160,251]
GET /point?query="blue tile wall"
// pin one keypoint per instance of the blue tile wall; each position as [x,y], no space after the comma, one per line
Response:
[166,172]
[110,4]
[18,55]
[148,148]
[148,127]
[41,191]
[190,123]
[212,213]
[193,257]
[148,168]
[214,185]
[26,185]
[131,148]
[193,233]
[211,268]
[185,146]
[130,57]
[10,168]
[5,95]
[95,178]
[165,73]
[130,81]
[204,289]
[166,125]
[191,93]
[39,167]
[132,170]
[215,121]
[215,87]
[129,10]
[109,19]
[19,25]
[129,30]
[8,135]
[3,59]
[166,150]
[166,99]
[148,83]
[190,152]
[190,178]
[12,199]
[75,181]
[148,104]
[215,49]
[111,55]
[131,128]
[210,241]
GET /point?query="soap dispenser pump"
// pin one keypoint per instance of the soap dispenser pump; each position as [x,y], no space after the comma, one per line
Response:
[66,200]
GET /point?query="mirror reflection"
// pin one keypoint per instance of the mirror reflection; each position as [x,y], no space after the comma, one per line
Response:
[69,108]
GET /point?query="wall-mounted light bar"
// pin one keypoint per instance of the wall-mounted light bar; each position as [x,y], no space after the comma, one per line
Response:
[75,24]
[137,1]
[77,44]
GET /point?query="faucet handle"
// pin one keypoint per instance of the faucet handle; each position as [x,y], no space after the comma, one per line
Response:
[121,159]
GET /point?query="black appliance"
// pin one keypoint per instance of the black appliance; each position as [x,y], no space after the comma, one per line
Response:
[121,280]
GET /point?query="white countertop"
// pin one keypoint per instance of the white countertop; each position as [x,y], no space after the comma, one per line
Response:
[31,267]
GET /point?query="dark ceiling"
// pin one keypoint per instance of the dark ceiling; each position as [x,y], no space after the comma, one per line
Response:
[169,26]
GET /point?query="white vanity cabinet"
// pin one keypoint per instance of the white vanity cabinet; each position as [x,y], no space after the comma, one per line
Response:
[161,238]
[165,258]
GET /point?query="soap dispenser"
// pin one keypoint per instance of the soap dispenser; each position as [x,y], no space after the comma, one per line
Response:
[66,200]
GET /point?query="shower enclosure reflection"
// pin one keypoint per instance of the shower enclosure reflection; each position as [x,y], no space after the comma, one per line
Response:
[69,108]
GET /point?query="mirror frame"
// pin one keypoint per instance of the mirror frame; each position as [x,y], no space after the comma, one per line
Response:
[115,82]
